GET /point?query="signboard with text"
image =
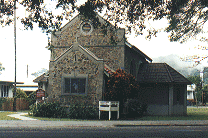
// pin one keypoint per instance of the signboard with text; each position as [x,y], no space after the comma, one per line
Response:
[40,93]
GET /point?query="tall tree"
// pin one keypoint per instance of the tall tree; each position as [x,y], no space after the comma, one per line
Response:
[198,82]
[186,17]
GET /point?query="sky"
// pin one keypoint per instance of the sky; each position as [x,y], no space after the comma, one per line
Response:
[31,49]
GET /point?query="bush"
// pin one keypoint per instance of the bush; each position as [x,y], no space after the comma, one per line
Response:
[82,111]
[52,109]
[2,100]
[135,108]
[20,94]
[32,98]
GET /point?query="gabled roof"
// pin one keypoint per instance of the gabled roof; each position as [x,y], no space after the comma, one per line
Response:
[107,70]
[73,21]
[76,45]
[42,78]
[160,73]
[138,51]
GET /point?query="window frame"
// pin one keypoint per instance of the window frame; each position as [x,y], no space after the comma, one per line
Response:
[81,76]
[4,91]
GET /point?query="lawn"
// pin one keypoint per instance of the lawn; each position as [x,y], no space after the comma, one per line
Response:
[3,116]
[192,114]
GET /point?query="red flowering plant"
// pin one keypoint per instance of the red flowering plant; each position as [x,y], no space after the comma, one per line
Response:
[120,87]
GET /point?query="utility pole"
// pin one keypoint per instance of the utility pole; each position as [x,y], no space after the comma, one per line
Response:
[15,59]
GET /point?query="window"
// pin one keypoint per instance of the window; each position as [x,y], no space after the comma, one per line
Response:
[86,28]
[75,85]
[4,91]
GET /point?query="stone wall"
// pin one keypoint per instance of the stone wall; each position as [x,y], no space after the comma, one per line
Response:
[76,62]
[97,42]
[113,56]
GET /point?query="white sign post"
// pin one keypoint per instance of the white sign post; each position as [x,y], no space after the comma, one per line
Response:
[109,106]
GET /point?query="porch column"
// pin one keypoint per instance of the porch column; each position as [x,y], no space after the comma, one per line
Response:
[185,100]
[170,99]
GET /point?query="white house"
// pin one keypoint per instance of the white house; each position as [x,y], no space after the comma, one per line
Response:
[191,92]
[6,88]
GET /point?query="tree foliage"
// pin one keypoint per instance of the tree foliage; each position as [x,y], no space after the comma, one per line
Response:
[198,82]
[186,17]
[121,86]
[1,68]
[20,94]
[195,80]
[32,98]
[40,72]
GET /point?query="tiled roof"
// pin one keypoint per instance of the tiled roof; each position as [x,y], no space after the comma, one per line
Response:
[41,78]
[160,73]
[10,82]
[138,51]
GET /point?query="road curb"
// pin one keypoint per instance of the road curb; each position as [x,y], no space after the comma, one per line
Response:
[136,125]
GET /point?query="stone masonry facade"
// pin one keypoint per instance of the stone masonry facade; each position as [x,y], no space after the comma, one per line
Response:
[80,50]
[97,42]
[76,62]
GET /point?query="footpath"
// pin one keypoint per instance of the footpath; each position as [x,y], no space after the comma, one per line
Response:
[27,122]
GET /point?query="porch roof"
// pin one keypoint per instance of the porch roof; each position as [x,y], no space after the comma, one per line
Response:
[42,78]
[10,82]
[160,73]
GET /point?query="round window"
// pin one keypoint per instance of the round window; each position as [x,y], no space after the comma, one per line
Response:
[86,28]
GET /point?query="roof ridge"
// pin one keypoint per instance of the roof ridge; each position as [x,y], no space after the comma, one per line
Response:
[168,72]
[89,52]
[178,72]
[63,53]
[138,50]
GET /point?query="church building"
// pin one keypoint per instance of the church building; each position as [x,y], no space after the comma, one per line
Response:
[83,55]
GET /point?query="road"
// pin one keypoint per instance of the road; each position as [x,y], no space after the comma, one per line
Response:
[125,131]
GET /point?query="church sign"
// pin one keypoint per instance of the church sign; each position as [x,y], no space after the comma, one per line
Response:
[40,93]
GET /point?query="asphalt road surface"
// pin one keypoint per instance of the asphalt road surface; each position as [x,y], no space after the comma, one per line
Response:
[111,132]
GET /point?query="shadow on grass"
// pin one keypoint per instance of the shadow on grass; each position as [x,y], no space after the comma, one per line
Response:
[193,114]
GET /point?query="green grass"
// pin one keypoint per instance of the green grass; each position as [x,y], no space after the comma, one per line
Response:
[3,116]
[192,114]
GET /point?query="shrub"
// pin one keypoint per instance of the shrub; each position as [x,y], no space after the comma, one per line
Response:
[135,108]
[82,111]
[20,94]
[52,109]
[32,98]
[120,87]
[2,100]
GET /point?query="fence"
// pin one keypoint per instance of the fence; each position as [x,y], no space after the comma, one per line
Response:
[7,104]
